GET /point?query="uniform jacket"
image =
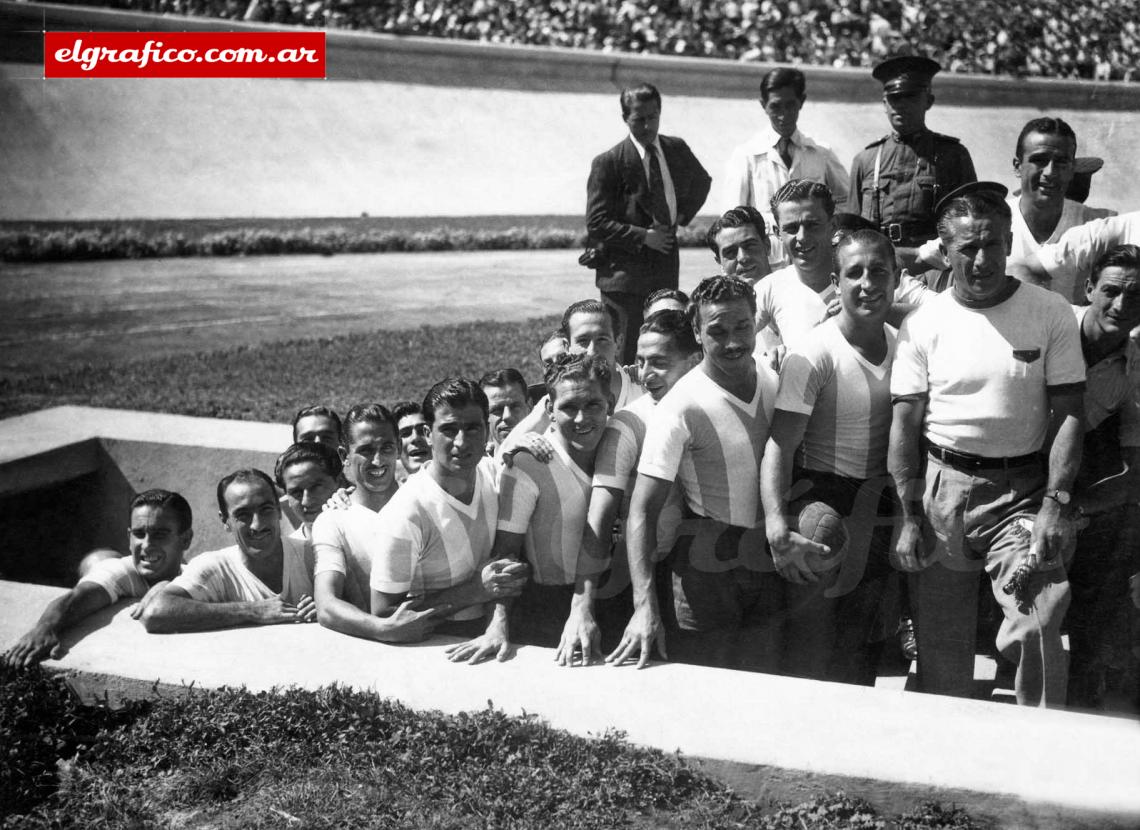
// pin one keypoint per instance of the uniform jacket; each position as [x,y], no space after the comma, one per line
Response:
[914,173]
[617,202]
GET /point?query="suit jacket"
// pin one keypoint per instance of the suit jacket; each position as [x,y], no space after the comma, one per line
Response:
[617,202]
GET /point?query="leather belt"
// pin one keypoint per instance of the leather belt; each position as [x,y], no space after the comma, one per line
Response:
[969,461]
[908,232]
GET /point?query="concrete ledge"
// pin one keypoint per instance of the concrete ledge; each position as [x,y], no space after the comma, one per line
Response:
[1053,768]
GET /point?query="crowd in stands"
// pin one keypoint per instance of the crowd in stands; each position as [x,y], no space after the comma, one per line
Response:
[1090,39]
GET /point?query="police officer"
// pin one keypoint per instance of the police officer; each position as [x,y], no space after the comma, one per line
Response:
[897,180]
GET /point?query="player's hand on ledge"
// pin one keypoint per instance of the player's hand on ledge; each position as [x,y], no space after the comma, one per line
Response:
[642,634]
[581,642]
[38,644]
[494,643]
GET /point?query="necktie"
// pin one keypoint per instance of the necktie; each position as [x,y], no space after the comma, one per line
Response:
[657,201]
[784,148]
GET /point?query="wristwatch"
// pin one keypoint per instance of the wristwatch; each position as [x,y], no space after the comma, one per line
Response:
[1062,497]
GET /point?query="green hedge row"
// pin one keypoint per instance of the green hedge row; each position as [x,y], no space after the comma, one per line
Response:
[62,244]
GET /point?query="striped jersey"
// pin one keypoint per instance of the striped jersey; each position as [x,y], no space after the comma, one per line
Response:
[789,307]
[343,541]
[847,398]
[711,442]
[222,576]
[548,504]
[615,466]
[428,540]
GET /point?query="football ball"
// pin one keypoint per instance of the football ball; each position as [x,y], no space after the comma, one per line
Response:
[820,522]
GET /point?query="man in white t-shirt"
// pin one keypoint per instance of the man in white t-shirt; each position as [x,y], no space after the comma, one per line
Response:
[344,537]
[666,350]
[317,424]
[828,445]
[707,434]
[262,580]
[435,534]
[989,376]
[159,534]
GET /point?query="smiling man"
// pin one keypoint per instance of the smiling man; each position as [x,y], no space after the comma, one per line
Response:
[829,438]
[543,505]
[989,377]
[666,350]
[1045,164]
[780,152]
[707,435]
[309,474]
[795,299]
[261,580]
[159,534]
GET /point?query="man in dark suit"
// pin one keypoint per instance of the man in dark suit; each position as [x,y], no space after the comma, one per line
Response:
[639,191]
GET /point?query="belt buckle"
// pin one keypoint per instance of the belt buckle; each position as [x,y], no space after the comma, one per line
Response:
[894,232]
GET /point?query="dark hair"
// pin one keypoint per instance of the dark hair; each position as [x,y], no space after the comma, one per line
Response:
[316,409]
[666,294]
[721,289]
[587,307]
[738,217]
[167,500]
[637,94]
[800,190]
[401,409]
[325,457]
[979,204]
[869,238]
[782,77]
[1046,126]
[1122,256]
[249,475]
[365,413]
[507,376]
[674,325]
[454,392]
[578,367]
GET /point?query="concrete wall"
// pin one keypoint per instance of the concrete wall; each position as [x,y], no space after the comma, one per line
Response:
[428,127]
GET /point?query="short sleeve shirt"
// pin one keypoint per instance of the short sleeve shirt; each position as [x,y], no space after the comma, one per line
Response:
[711,442]
[788,306]
[342,543]
[548,505]
[615,466]
[847,399]
[222,576]
[117,577]
[986,370]
[429,540]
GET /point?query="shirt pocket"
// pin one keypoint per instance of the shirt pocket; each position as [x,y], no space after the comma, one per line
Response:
[1026,362]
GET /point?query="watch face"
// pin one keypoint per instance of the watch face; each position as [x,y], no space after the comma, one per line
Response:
[1061,496]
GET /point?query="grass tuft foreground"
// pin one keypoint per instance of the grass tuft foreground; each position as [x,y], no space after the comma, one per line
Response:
[340,758]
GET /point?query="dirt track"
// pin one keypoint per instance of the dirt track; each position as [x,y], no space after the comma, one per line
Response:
[60,316]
